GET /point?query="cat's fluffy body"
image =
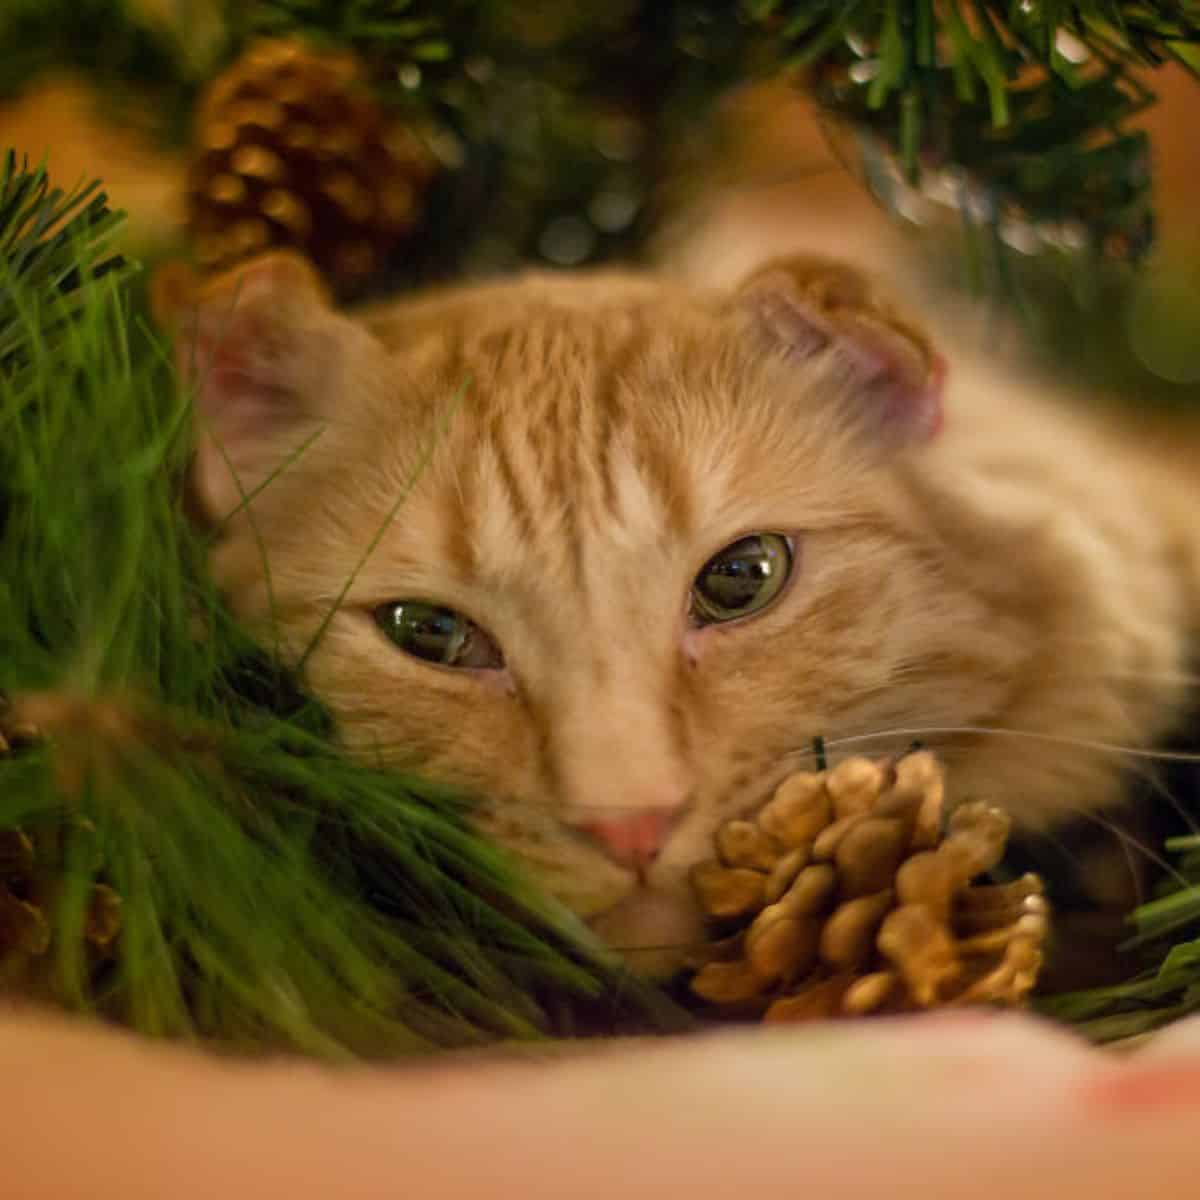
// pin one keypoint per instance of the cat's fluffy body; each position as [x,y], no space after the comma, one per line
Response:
[572,449]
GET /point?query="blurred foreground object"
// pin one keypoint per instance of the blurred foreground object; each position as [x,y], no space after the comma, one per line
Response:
[990,1107]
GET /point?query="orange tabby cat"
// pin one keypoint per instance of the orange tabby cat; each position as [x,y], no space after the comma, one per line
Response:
[617,550]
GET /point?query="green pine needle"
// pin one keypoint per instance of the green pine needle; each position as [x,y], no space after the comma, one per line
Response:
[391,34]
[1030,102]
[52,242]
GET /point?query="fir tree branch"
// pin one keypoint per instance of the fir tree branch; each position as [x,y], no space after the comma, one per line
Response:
[126,54]
[52,242]
[397,36]
[1026,104]
[271,892]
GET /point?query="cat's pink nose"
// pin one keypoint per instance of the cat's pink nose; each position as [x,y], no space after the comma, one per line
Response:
[633,839]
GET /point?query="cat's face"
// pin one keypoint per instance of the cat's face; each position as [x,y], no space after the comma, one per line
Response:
[626,559]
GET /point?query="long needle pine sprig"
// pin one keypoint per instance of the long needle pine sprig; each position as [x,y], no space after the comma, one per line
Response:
[182,847]
[51,242]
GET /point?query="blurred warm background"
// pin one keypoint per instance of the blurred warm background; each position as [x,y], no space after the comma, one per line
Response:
[761,172]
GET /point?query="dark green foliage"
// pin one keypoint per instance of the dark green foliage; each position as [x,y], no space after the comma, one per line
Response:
[1031,101]
[274,893]
[143,67]
[52,242]
[562,121]
[559,120]
[1004,128]
[397,33]
[1120,332]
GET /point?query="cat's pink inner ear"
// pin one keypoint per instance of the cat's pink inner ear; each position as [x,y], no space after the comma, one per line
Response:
[235,335]
[808,308]
[246,344]
[235,357]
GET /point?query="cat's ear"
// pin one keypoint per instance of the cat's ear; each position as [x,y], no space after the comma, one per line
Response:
[257,346]
[807,307]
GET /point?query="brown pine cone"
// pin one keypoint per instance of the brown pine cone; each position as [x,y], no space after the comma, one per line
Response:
[29,883]
[846,896]
[291,149]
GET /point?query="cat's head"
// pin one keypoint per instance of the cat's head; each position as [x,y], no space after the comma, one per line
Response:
[606,553]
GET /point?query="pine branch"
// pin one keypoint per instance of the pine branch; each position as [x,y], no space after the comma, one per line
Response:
[402,39]
[1015,114]
[143,68]
[51,242]
[270,892]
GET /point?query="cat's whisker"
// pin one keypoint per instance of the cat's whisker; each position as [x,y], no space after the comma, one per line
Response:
[1142,760]
[1133,847]
[1177,805]
[1141,768]
[1128,841]
[1188,678]
[921,732]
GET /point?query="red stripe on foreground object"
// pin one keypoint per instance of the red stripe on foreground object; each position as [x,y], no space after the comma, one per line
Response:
[1152,1089]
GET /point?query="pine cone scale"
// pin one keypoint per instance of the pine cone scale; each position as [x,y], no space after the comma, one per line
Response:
[291,149]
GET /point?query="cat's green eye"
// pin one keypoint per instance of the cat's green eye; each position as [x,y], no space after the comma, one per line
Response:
[438,635]
[742,579]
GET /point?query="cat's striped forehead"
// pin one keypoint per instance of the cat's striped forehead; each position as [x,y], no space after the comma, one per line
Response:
[573,407]
[574,423]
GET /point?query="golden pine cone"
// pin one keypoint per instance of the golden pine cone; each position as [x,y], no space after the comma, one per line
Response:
[849,894]
[290,149]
